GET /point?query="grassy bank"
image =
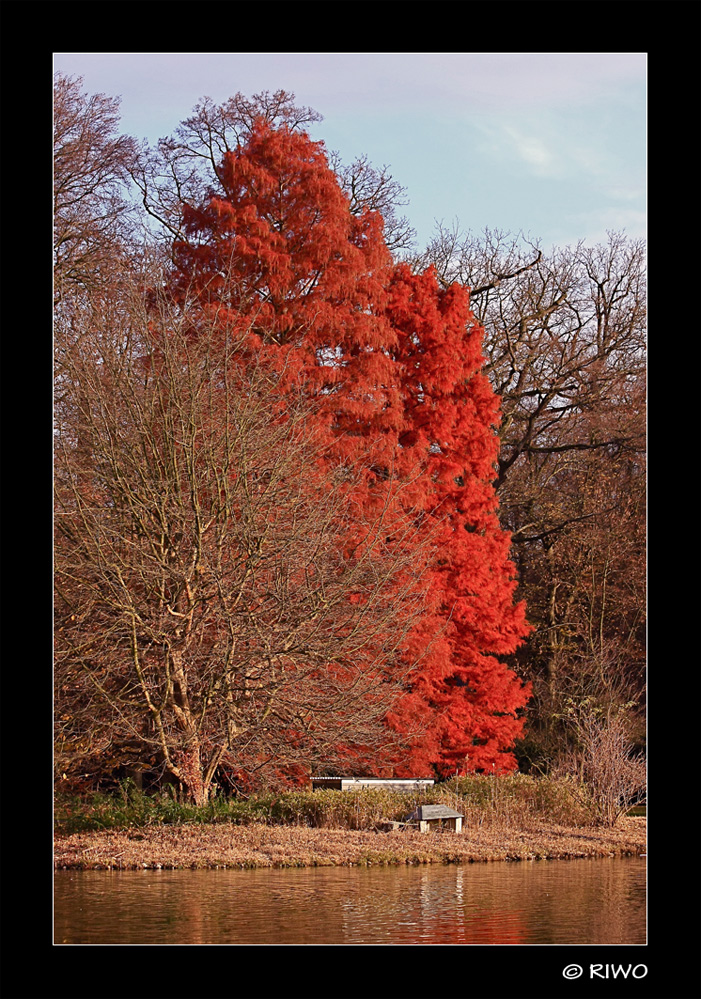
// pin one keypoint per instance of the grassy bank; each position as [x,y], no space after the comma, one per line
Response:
[506,818]
[195,846]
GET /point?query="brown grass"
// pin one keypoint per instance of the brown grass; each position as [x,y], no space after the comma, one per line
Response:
[259,845]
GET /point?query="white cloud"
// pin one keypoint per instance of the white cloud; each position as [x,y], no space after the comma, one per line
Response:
[511,146]
[533,151]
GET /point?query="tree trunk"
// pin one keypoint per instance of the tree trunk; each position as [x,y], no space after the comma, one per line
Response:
[190,773]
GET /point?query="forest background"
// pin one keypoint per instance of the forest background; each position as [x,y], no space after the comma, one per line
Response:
[563,339]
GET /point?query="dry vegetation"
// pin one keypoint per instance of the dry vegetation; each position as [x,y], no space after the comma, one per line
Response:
[262,845]
[512,817]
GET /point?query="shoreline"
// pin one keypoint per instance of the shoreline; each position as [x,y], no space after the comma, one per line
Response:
[227,846]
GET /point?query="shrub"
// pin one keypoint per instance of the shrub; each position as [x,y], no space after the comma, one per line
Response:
[131,807]
[606,775]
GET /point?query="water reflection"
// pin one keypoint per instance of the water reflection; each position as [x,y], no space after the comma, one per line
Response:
[582,901]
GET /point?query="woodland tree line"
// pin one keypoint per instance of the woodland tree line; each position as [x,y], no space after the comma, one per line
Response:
[324,501]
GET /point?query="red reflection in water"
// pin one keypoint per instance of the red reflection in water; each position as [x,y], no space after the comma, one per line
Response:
[496,928]
[562,902]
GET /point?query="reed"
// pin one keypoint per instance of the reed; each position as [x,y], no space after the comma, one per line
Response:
[513,801]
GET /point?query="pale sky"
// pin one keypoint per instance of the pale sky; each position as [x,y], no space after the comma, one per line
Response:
[551,144]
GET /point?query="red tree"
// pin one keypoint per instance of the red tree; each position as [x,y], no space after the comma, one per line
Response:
[276,240]
[450,415]
[396,362]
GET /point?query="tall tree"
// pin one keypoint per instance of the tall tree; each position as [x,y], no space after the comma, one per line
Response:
[221,601]
[565,342]
[93,215]
[394,362]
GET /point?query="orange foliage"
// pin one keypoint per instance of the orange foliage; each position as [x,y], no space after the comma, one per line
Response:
[394,362]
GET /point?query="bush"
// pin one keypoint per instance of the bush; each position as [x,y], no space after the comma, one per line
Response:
[130,807]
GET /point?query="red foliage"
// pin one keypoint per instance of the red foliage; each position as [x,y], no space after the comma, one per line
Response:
[451,414]
[395,362]
[277,244]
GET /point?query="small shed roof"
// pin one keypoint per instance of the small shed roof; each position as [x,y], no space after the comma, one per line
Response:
[426,812]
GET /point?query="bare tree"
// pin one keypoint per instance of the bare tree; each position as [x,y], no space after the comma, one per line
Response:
[612,777]
[93,214]
[374,189]
[565,335]
[210,609]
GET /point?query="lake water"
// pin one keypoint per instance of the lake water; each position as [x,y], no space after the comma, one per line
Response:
[598,901]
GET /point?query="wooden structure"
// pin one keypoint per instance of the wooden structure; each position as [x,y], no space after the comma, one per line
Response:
[357,783]
[430,817]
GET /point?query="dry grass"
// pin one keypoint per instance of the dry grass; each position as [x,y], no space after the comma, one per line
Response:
[260,845]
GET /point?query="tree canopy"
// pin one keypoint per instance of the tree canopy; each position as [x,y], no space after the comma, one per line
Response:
[307,479]
[395,360]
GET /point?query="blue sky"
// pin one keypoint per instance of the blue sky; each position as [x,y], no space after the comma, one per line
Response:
[551,144]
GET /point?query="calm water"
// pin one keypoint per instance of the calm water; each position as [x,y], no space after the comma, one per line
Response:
[556,902]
